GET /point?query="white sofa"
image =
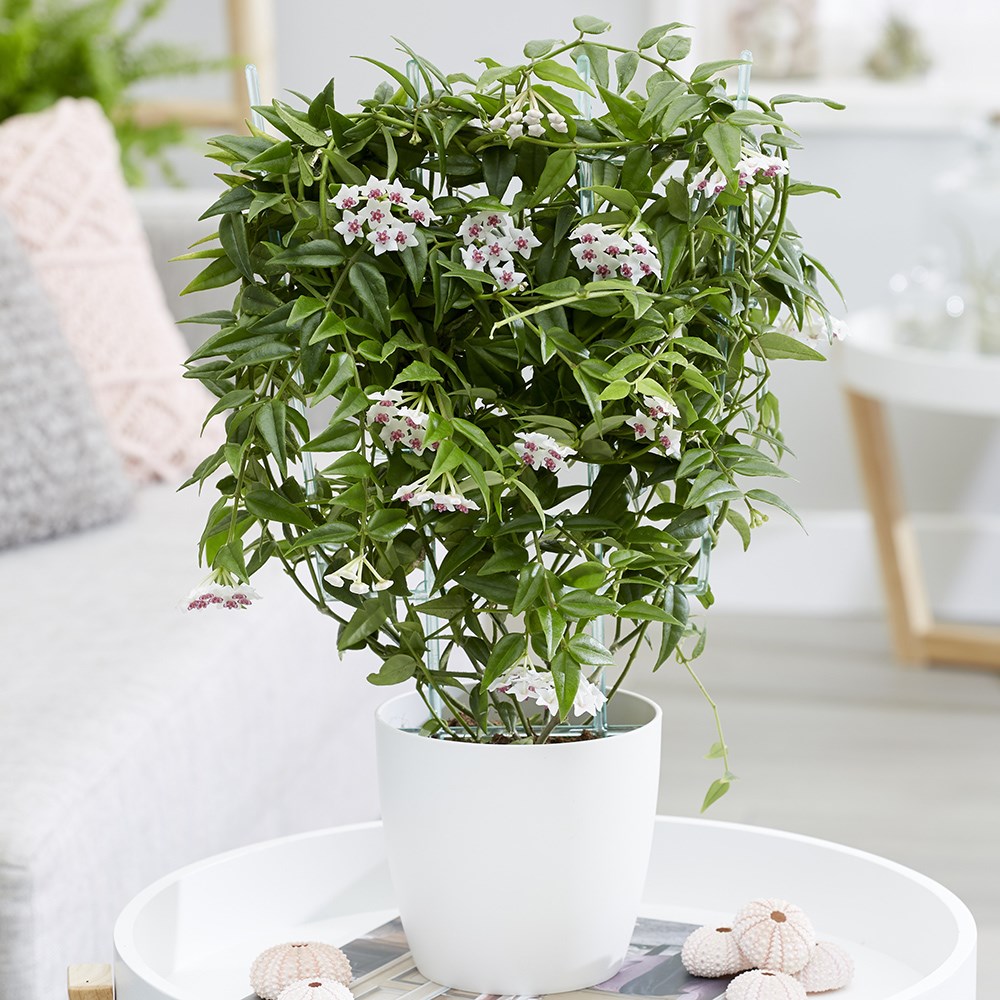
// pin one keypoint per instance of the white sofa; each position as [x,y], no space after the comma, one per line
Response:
[135,738]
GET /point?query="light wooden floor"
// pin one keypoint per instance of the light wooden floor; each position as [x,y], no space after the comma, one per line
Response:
[831,738]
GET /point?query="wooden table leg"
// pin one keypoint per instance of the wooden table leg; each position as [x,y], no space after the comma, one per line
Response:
[899,558]
[916,636]
[90,982]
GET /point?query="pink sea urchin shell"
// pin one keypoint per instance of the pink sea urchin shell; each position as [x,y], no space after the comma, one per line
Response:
[830,968]
[284,964]
[775,935]
[316,989]
[762,984]
[712,951]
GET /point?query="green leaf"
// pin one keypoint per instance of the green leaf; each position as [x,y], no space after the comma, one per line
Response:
[646,612]
[588,652]
[395,670]
[219,273]
[716,790]
[725,143]
[346,170]
[566,677]
[271,424]
[560,166]
[367,620]
[338,373]
[386,523]
[549,69]
[499,164]
[331,533]
[711,487]
[266,505]
[673,47]
[530,581]
[588,25]
[418,371]
[765,496]
[233,237]
[509,650]
[585,576]
[400,78]
[681,110]
[415,260]
[716,751]
[706,70]
[339,437]
[739,522]
[780,345]
[653,35]
[276,160]
[625,66]
[369,286]
[583,604]
[800,99]
[800,188]
[538,47]
[552,626]
[331,325]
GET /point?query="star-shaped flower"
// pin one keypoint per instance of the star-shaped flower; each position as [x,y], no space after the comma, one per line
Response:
[643,425]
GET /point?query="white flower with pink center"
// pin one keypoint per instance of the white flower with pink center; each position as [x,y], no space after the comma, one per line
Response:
[220,597]
[670,441]
[382,239]
[419,210]
[374,188]
[522,241]
[643,425]
[631,271]
[347,197]
[350,227]
[658,407]
[708,183]
[498,250]
[474,258]
[586,254]
[648,265]
[641,246]
[402,235]
[396,194]
[526,684]
[588,234]
[541,451]
[473,228]
[376,213]
[506,277]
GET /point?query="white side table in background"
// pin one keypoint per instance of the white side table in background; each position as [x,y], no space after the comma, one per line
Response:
[877,371]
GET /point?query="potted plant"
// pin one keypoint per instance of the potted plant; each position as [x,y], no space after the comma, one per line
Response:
[540,344]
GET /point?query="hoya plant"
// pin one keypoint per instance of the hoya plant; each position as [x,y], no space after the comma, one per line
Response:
[496,372]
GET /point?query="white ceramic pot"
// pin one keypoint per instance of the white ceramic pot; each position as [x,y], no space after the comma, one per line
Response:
[518,869]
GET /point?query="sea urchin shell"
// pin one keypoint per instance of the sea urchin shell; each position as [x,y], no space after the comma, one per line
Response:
[316,989]
[284,964]
[830,968]
[761,984]
[712,951]
[774,934]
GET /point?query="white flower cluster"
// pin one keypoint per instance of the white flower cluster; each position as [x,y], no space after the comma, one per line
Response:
[491,240]
[215,595]
[354,571]
[653,424]
[611,255]
[416,495]
[367,213]
[525,683]
[712,181]
[398,424]
[539,451]
[517,123]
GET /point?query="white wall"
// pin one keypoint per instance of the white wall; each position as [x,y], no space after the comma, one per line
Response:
[883,153]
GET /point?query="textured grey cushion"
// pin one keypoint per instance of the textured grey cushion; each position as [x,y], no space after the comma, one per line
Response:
[58,469]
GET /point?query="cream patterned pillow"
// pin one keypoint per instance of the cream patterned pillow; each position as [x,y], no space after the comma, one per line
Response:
[62,188]
[58,470]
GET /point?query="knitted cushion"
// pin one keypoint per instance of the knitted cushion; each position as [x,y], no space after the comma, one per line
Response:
[62,187]
[58,469]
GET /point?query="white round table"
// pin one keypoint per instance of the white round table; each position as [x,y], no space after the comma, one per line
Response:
[193,934]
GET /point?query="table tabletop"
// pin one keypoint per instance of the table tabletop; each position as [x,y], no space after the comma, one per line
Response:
[193,934]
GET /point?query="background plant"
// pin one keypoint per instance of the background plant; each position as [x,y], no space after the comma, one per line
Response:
[66,48]
[521,575]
